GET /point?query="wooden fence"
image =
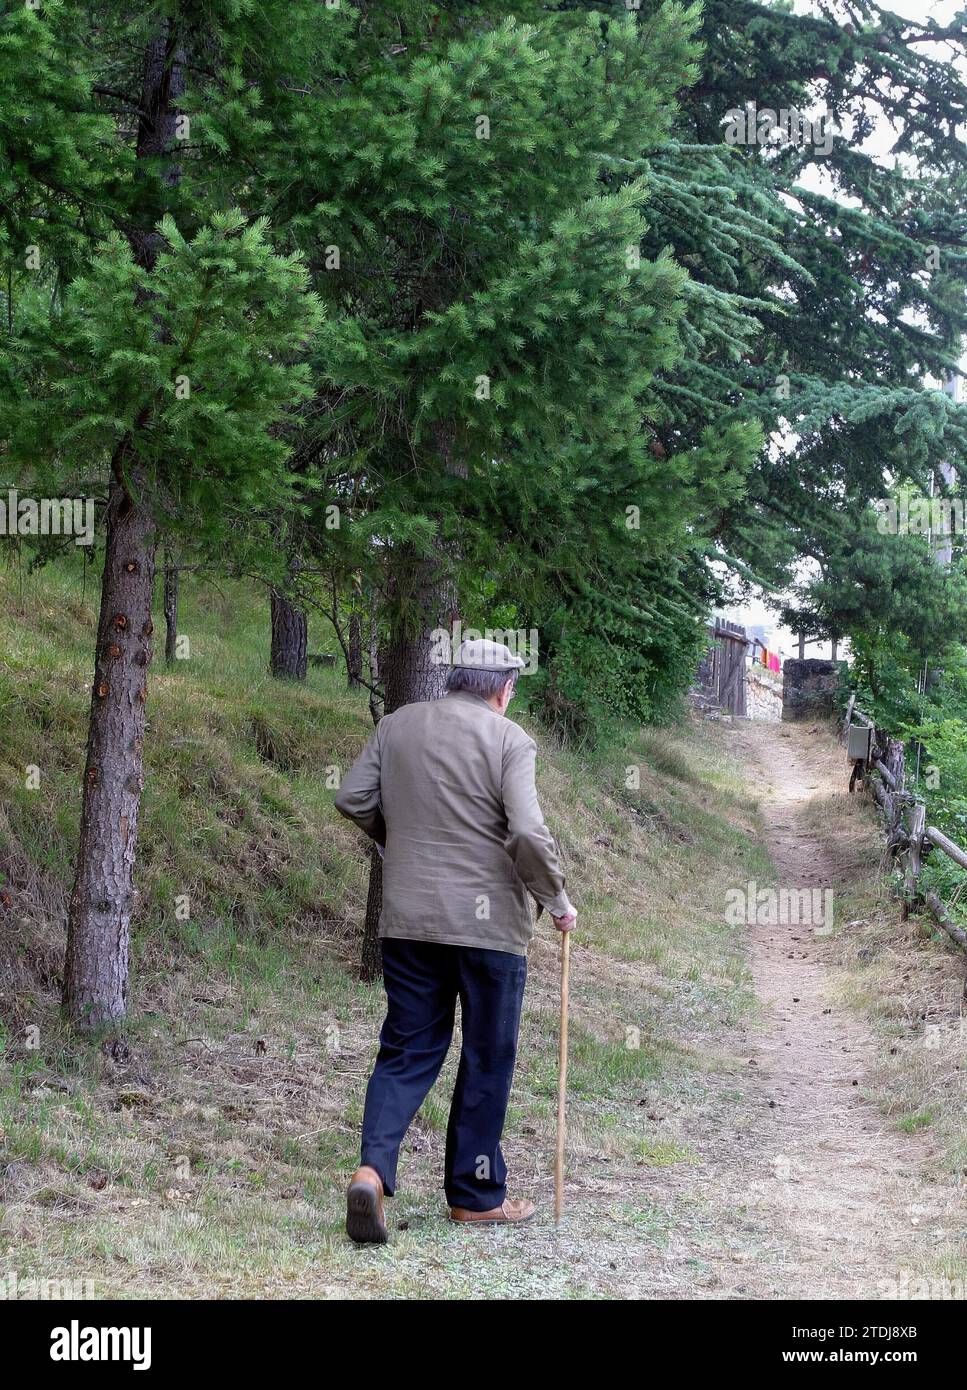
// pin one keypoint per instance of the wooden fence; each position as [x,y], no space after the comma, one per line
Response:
[909,838]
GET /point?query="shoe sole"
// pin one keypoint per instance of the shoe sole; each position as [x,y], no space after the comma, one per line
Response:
[362,1216]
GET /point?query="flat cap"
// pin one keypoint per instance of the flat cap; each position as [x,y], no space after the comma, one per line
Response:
[481,654]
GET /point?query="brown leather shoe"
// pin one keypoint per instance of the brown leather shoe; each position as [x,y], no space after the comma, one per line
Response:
[510,1210]
[365,1222]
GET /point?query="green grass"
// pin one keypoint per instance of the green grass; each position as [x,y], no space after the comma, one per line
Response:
[921,1120]
[208,1155]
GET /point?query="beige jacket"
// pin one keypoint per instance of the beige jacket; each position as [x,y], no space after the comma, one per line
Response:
[447,786]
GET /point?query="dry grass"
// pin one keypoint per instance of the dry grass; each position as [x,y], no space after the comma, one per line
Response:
[204,1152]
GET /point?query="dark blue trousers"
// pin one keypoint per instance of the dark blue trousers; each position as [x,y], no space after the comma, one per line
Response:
[423,982]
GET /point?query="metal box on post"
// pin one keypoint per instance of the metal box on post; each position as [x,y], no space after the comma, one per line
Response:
[858,742]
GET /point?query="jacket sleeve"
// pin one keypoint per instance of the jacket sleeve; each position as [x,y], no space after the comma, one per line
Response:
[529,842]
[358,798]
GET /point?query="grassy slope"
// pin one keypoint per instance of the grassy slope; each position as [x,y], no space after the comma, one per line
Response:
[206,1152]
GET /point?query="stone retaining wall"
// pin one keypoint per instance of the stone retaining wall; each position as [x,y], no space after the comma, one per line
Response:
[763,693]
[809,688]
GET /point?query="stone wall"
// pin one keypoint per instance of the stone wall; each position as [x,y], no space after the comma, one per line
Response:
[809,688]
[763,692]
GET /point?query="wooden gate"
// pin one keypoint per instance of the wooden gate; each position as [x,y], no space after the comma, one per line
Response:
[722,674]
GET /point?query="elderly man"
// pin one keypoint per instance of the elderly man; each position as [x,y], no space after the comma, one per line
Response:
[446,789]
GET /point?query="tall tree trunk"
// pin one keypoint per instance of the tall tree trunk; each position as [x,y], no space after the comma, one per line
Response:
[413,665]
[96,973]
[171,607]
[375,703]
[102,899]
[355,663]
[412,670]
[370,959]
[290,639]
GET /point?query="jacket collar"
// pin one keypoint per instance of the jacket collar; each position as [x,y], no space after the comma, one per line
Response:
[469,696]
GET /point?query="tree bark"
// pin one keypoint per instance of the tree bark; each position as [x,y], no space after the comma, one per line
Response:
[103,896]
[409,673]
[355,672]
[290,640]
[171,608]
[370,958]
[99,923]
[375,701]
[413,665]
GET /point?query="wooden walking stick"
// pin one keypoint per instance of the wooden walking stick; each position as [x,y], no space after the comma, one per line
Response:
[562,1078]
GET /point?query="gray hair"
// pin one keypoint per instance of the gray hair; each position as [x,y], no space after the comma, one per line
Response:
[477,681]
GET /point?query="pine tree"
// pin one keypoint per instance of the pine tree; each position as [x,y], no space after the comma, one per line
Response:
[489,311]
[884,588]
[826,294]
[491,326]
[171,354]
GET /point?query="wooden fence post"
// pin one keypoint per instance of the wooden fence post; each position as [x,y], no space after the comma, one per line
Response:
[894,759]
[887,757]
[911,878]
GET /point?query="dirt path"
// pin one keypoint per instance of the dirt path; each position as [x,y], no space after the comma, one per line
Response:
[820,1196]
